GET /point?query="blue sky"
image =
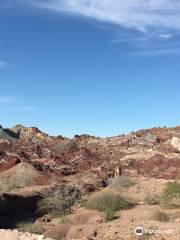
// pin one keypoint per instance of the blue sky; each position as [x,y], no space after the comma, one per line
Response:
[98,67]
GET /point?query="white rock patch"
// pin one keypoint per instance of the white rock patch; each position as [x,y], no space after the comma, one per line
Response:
[175,142]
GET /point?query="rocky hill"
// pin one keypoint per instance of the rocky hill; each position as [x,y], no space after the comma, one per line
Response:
[5,135]
[35,167]
[152,152]
[28,133]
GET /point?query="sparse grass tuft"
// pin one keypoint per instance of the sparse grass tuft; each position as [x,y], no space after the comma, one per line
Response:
[171,195]
[152,200]
[121,182]
[161,216]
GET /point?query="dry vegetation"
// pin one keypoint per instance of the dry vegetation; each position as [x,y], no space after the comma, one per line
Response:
[108,202]
[171,195]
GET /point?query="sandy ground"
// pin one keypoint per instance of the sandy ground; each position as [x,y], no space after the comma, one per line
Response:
[124,227]
[15,235]
[90,225]
[86,224]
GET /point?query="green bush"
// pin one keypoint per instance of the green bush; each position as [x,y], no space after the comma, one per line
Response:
[104,202]
[152,200]
[122,182]
[171,195]
[160,216]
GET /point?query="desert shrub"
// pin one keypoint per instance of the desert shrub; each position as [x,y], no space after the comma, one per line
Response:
[171,195]
[109,214]
[152,200]
[103,202]
[160,216]
[121,182]
[30,227]
[59,201]
[108,203]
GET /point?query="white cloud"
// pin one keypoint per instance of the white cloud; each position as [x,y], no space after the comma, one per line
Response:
[150,27]
[166,35]
[6,99]
[142,15]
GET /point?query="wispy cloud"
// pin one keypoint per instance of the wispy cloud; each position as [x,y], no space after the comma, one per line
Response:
[142,15]
[7,99]
[147,21]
